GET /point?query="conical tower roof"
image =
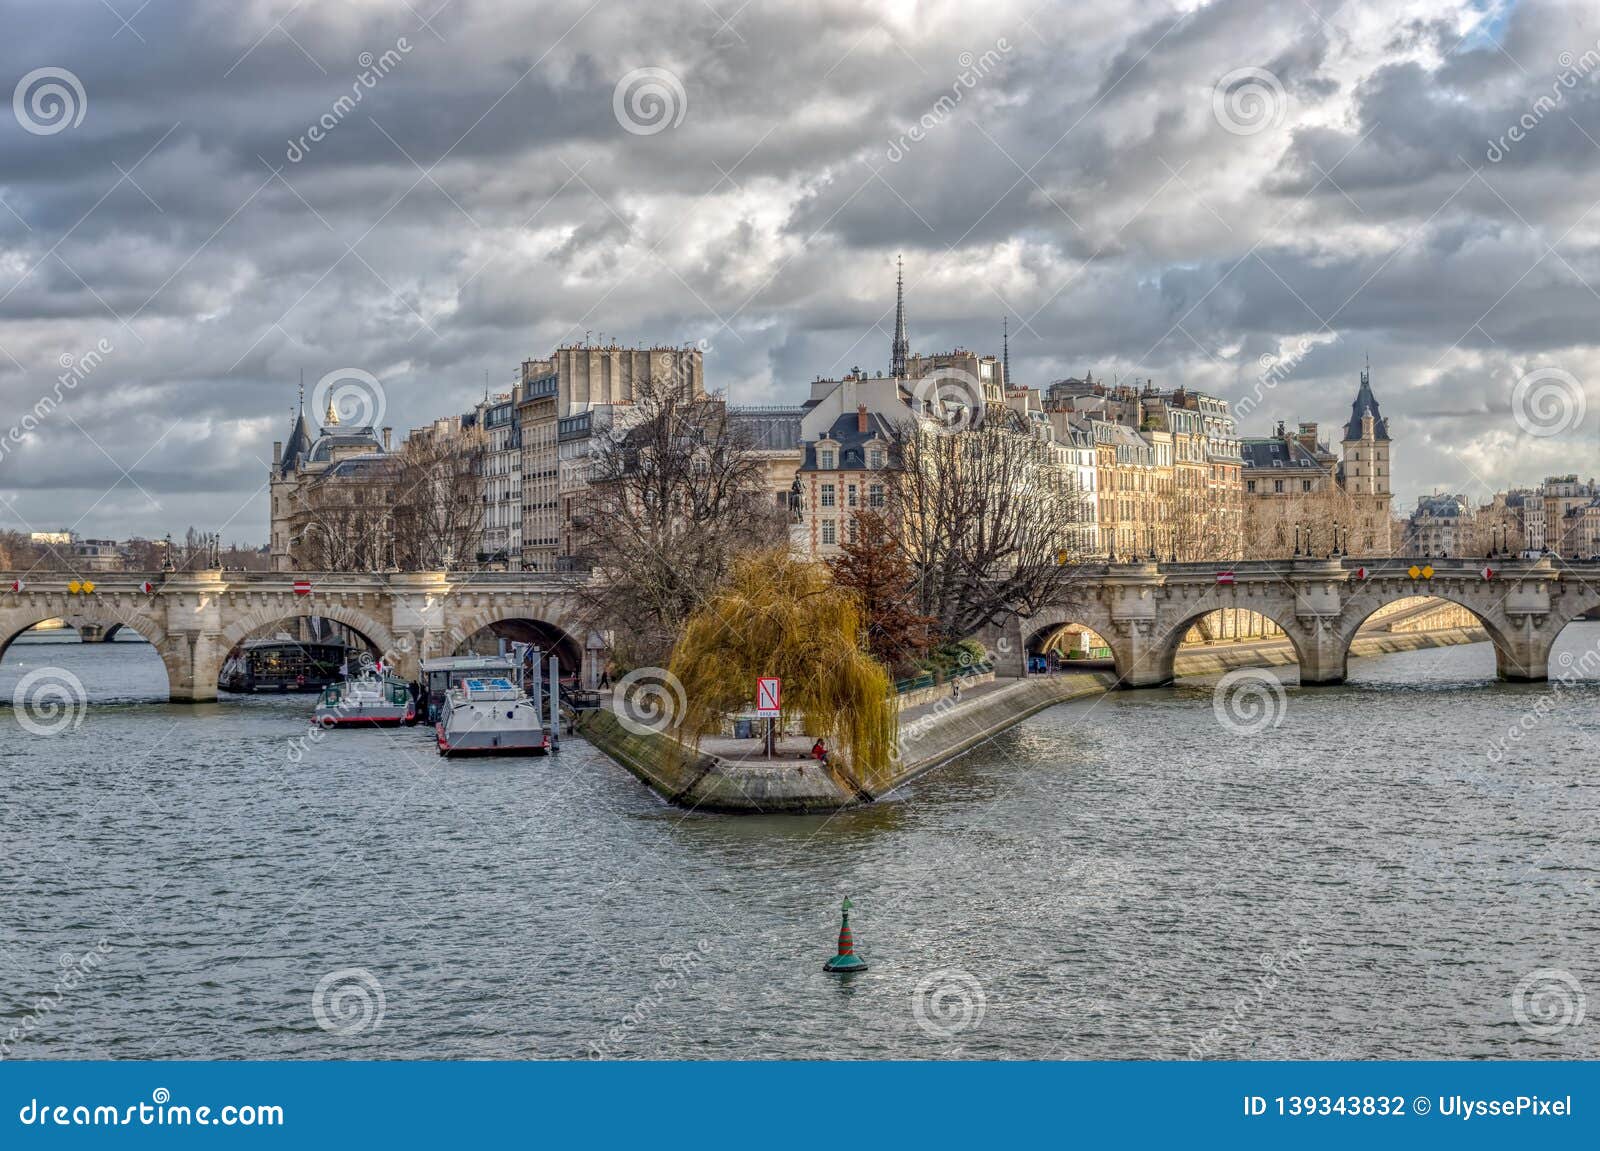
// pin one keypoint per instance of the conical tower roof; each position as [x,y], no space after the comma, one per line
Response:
[1365,403]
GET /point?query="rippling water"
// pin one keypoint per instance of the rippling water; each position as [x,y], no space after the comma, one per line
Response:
[1126,877]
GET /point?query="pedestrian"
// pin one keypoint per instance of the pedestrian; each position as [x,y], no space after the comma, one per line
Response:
[955,690]
[819,751]
[605,677]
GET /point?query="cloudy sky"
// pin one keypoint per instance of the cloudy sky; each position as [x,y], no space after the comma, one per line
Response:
[1245,197]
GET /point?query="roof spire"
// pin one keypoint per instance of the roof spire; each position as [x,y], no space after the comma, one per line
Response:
[302,389]
[331,420]
[902,345]
[1005,355]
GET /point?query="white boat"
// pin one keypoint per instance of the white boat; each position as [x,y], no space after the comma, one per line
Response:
[491,716]
[372,700]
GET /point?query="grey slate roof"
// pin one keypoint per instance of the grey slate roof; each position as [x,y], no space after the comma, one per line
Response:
[1272,452]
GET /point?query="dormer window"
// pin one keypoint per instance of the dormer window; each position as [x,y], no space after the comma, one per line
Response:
[826,458]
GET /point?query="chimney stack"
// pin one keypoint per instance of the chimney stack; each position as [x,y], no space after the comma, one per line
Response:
[861,418]
[387,434]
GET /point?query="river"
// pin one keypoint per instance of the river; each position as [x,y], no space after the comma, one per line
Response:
[1380,871]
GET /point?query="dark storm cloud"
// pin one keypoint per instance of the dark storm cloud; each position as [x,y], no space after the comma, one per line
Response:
[481,202]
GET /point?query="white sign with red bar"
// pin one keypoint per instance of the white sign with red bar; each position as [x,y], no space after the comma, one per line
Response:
[768,689]
[302,587]
[1225,577]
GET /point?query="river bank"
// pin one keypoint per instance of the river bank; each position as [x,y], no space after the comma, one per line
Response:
[931,733]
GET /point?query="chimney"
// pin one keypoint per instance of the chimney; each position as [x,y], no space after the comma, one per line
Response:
[861,418]
[1308,437]
[388,433]
[277,452]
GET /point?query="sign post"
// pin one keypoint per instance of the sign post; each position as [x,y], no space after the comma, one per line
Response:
[769,691]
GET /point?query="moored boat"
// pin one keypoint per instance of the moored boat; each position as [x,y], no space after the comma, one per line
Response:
[372,700]
[491,716]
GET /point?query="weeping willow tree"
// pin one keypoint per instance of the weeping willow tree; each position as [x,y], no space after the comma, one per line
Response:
[780,617]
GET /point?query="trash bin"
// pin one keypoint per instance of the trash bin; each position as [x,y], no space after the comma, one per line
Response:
[743,728]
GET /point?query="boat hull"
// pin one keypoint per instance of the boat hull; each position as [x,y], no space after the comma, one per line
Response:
[391,718]
[485,743]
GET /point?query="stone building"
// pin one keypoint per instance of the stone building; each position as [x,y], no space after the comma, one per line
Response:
[575,379]
[1298,492]
[1441,525]
[329,492]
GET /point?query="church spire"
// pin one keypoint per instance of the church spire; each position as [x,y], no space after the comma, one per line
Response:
[1005,354]
[902,345]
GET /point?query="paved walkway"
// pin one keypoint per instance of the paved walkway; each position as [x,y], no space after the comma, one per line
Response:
[750,752]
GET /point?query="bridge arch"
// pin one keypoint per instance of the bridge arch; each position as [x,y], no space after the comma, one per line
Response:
[370,629]
[1157,662]
[1055,632]
[524,624]
[1510,652]
[108,615]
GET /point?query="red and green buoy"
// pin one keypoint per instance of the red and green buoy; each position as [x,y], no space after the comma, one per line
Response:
[847,960]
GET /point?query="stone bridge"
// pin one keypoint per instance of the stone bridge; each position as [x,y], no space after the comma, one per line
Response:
[195,618]
[1143,611]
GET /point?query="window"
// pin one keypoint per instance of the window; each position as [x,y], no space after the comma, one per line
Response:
[850,500]
[1277,486]
[852,531]
[1305,485]
[825,458]
[875,458]
[1250,485]
[829,532]
[828,500]
[875,495]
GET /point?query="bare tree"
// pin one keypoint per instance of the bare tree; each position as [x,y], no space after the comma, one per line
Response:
[675,493]
[438,501]
[983,522]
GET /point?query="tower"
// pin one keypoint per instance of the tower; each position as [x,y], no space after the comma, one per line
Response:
[1005,351]
[902,344]
[1365,472]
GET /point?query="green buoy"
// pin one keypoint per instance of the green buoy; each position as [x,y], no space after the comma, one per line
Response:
[847,960]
